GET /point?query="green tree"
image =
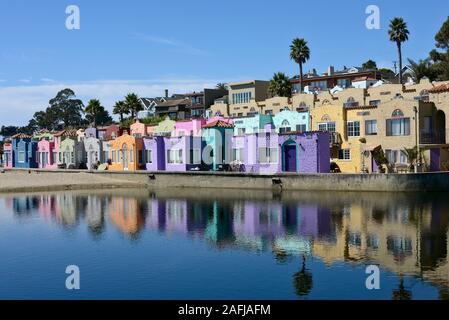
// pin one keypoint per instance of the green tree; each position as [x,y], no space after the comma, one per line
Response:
[280,85]
[369,65]
[69,110]
[421,69]
[441,59]
[133,104]
[8,131]
[398,33]
[96,113]
[300,53]
[120,109]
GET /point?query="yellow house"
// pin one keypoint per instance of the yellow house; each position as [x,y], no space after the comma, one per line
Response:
[126,153]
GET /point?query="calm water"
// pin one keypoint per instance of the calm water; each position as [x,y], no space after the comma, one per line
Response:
[212,244]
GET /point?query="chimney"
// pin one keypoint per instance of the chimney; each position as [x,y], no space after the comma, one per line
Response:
[330,70]
[166,93]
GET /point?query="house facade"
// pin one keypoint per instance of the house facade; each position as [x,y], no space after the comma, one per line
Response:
[8,155]
[270,152]
[46,154]
[25,151]
[126,153]
[71,152]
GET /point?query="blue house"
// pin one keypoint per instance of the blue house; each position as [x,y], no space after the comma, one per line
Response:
[292,121]
[25,151]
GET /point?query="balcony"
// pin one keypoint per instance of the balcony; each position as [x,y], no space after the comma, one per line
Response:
[432,137]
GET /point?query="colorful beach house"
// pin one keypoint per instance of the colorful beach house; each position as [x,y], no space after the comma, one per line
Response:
[189,128]
[270,152]
[71,154]
[8,155]
[140,129]
[46,152]
[286,121]
[183,153]
[251,124]
[154,153]
[25,151]
[165,127]
[126,153]
[217,137]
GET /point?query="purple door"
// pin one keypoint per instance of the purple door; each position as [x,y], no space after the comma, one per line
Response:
[290,158]
[434,160]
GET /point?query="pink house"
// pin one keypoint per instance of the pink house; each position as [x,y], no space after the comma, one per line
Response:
[47,153]
[139,129]
[8,156]
[189,128]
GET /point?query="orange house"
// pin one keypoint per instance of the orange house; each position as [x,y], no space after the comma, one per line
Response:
[126,153]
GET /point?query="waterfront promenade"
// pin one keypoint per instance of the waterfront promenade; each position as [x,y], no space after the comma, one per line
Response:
[17,180]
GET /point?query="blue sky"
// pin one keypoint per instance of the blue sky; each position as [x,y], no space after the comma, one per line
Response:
[147,46]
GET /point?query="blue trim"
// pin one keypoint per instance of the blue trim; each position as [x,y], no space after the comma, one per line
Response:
[290,142]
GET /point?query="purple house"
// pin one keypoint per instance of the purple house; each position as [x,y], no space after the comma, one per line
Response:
[270,152]
[154,153]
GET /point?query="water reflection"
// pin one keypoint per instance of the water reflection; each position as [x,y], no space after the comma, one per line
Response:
[406,234]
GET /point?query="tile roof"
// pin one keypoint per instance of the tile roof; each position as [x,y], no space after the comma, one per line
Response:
[219,124]
[441,88]
[67,133]
[21,136]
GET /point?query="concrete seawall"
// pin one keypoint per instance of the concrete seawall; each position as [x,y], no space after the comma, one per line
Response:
[17,180]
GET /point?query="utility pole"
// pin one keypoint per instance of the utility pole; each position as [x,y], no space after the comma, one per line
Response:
[418,155]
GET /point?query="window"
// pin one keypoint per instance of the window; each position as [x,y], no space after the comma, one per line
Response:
[397,113]
[21,156]
[301,128]
[241,97]
[285,127]
[398,127]
[237,154]
[371,127]
[72,156]
[374,102]
[268,155]
[148,156]
[396,156]
[195,156]
[353,128]
[174,156]
[344,154]
[240,131]
[326,126]
[114,156]
[269,112]
[131,155]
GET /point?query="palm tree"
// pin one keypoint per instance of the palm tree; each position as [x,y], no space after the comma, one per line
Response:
[120,109]
[412,156]
[280,85]
[93,108]
[421,69]
[398,33]
[222,86]
[133,104]
[300,53]
[303,280]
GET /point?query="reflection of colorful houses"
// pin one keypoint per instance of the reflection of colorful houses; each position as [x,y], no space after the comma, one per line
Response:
[25,151]
[8,155]
[126,153]
[71,150]
[126,214]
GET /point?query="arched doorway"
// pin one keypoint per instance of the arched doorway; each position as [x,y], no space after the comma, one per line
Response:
[440,123]
[125,156]
[289,156]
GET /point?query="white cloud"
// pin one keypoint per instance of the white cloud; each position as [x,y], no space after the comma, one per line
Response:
[25,80]
[18,103]
[181,46]
[47,80]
